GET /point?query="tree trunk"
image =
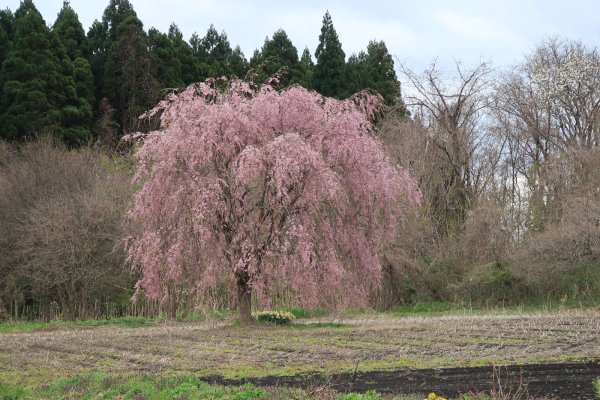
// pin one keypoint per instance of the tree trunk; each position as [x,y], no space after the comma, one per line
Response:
[244,303]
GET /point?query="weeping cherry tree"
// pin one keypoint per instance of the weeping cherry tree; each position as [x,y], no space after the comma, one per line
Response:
[265,188]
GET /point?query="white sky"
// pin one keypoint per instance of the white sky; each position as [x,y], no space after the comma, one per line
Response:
[415,31]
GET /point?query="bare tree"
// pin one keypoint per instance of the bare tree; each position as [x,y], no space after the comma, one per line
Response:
[453,156]
[548,110]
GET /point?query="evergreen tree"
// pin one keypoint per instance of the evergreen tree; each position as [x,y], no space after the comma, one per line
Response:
[277,54]
[102,35]
[306,67]
[256,58]
[238,65]
[374,70]
[356,74]
[97,42]
[115,13]
[165,63]
[214,54]
[75,109]
[38,91]
[185,56]
[195,44]
[84,80]
[70,32]
[7,21]
[26,108]
[129,82]
[328,77]
[380,74]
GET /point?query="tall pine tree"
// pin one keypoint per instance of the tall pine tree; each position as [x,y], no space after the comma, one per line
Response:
[165,63]
[238,65]
[185,56]
[102,35]
[121,63]
[277,53]
[7,21]
[68,30]
[380,74]
[329,76]
[214,53]
[129,81]
[306,67]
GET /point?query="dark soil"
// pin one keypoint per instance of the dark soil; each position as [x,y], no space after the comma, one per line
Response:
[553,381]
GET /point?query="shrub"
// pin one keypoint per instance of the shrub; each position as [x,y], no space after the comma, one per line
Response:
[274,317]
[60,230]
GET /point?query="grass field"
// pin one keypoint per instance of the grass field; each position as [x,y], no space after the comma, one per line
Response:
[164,354]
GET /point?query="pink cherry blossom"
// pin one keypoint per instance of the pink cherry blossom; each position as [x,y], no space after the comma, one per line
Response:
[265,188]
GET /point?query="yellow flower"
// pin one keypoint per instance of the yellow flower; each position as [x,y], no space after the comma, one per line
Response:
[433,396]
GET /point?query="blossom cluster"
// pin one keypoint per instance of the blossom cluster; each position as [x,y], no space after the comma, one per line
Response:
[249,184]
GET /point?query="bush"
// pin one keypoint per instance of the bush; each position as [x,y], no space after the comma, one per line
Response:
[274,317]
[61,252]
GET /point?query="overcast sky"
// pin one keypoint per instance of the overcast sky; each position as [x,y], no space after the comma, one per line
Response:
[415,31]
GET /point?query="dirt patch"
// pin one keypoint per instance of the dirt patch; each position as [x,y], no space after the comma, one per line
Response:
[550,381]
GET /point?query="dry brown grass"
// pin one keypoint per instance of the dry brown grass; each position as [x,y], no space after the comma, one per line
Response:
[371,343]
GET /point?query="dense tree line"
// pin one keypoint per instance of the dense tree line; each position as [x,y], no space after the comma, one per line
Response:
[92,87]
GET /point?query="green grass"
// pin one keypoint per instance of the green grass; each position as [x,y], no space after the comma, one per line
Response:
[10,391]
[102,386]
[299,312]
[432,308]
[426,308]
[128,322]
[597,387]
[27,326]
[438,308]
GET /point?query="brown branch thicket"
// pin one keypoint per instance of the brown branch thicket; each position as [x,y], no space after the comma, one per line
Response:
[61,214]
[461,229]
[509,170]
[547,111]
